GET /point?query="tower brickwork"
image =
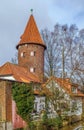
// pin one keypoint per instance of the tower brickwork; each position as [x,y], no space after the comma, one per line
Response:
[31,56]
[31,49]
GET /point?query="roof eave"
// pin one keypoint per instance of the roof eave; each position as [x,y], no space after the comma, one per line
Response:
[20,44]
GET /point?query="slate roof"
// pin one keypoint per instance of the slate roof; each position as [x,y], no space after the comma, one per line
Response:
[31,34]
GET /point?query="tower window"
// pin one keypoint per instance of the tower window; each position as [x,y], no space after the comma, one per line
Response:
[32,53]
[23,54]
[25,44]
[32,69]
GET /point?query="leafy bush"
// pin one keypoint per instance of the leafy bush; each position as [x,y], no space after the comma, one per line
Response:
[51,122]
[45,118]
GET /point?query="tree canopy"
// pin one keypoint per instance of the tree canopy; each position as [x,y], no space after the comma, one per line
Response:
[64,56]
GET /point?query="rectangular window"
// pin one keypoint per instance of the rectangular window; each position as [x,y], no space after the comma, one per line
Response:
[32,69]
[74,90]
[41,106]
[26,45]
[32,53]
[35,106]
[23,54]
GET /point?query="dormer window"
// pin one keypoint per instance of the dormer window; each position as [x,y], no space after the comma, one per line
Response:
[32,53]
[32,69]
[23,54]
[74,90]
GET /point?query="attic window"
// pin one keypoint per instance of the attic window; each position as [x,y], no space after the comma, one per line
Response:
[32,69]
[74,90]
[32,53]
[23,54]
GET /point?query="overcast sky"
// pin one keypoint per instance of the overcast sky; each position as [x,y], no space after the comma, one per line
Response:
[14,15]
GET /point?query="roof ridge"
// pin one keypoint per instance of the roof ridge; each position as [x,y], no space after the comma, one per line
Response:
[7,64]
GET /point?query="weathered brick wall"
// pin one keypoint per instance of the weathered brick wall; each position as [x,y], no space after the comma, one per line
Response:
[36,61]
[8,102]
[5,101]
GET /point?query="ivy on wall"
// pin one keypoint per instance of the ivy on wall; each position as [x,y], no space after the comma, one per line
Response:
[23,95]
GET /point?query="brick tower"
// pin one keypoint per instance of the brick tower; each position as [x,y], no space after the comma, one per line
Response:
[31,49]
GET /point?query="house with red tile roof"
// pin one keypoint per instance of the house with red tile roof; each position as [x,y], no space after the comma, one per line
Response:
[30,68]
[65,96]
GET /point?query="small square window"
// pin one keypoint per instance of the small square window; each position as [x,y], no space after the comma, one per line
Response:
[74,90]
[25,44]
[23,54]
[32,53]
[32,69]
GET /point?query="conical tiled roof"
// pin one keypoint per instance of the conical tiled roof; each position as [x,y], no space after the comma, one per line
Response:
[31,34]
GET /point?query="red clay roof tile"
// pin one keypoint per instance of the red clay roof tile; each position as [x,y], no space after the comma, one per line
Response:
[65,84]
[31,34]
[19,73]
